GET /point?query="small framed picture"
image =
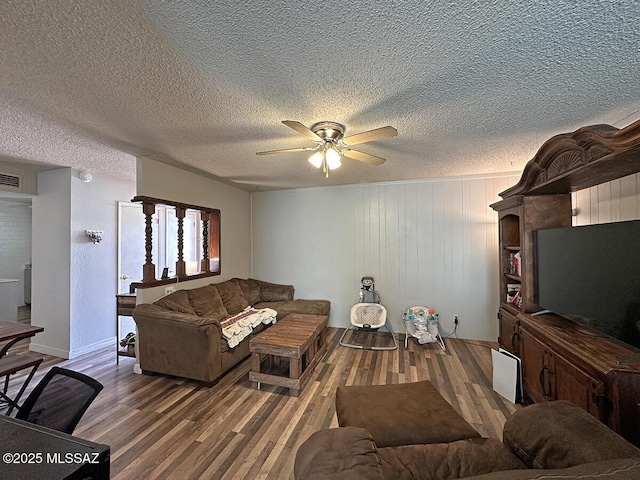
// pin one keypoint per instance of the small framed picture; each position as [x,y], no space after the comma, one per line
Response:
[165,272]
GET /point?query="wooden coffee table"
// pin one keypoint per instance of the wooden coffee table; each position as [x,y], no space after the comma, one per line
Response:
[301,339]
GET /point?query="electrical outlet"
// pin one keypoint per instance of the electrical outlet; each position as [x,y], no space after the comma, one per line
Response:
[169,289]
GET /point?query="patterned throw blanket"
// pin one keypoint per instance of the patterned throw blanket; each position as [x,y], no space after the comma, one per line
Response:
[239,326]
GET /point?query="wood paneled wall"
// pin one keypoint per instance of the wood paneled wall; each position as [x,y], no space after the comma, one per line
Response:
[614,201]
[428,243]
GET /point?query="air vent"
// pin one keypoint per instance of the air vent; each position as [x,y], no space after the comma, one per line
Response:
[10,180]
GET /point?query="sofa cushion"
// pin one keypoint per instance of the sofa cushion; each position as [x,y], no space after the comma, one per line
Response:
[447,461]
[206,302]
[285,307]
[176,302]
[338,454]
[273,292]
[401,414]
[250,288]
[618,469]
[161,317]
[560,434]
[232,296]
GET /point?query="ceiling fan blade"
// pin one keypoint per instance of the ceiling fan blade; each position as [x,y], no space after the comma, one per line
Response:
[370,135]
[363,157]
[301,129]
[287,150]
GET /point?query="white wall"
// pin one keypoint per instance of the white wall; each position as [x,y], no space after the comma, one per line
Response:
[431,242]
[51,262]
[29,178]
[94,282]
[15,242]
[74,281]
[614,201]
[158,180]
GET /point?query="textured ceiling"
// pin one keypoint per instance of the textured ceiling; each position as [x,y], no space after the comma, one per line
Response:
[473,87]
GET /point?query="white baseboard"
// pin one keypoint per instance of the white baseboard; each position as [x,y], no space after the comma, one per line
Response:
[109,342]
[47,350]
[58,352]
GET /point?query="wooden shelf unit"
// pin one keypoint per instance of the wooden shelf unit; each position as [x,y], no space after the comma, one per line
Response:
[125,303]
[561,359]
[518,218]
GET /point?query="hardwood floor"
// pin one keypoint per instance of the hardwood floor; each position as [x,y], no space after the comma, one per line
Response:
[162,427]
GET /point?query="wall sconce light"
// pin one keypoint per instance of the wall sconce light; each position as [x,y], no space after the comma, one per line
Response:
[94,235]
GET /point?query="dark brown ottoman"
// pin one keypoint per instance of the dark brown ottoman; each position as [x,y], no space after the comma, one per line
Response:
[401,414]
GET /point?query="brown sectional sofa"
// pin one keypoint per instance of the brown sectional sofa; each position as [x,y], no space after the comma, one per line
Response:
[552,440]
[180,334]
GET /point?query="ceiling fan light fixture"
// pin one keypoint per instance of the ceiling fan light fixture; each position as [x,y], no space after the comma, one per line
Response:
[316,159]
[333,159]
[331,144]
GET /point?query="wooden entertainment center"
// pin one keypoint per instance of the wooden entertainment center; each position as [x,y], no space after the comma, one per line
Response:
[561,358]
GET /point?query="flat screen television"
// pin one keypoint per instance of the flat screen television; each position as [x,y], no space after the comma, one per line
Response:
[592,274]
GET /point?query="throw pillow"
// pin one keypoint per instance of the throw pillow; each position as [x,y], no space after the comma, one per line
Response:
[232,296]
[206,302]
[251,289]
[274,292]
[176,302]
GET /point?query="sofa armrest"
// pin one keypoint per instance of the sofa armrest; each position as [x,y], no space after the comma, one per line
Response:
[177,343]
[346,453]
[560,434]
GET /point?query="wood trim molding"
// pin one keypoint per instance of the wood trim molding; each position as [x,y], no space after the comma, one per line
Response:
[581,159]
[186,206]
[173,280]
[211,242]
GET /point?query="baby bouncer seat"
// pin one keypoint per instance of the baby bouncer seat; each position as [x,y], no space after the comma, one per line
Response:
[368,315]
[422,323]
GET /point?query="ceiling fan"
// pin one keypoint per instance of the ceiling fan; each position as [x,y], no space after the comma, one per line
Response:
[331,144]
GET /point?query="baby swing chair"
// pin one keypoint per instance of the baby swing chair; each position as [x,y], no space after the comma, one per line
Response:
[422,323]
[368,315]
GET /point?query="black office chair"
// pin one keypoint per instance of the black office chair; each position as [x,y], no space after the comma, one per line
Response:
[60,399]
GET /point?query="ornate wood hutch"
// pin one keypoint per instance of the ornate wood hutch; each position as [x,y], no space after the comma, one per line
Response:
[563,359]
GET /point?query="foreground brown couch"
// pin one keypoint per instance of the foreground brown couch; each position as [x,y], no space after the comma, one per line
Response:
[552,440]
[181,335]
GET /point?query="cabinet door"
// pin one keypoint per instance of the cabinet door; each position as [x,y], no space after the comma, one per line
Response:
[509,337]
[536,374]
[574,385]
